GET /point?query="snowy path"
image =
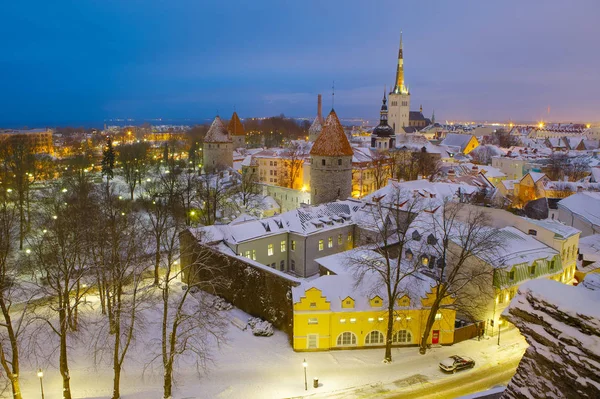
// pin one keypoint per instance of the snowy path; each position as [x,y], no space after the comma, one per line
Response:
[258,367]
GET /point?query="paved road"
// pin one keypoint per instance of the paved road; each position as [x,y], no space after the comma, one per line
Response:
[448,386]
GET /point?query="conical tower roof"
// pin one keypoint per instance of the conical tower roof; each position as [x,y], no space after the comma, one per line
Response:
[332,142]
[235,127]
[217,133]
[316,127]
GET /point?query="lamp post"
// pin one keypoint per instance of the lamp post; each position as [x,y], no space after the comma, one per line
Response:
[40,374]
[499,328]
[304,364]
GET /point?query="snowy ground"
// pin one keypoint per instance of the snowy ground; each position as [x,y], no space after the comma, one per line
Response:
[266,367]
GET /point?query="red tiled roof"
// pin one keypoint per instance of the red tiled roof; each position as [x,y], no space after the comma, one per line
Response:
[332,142]
[235,127]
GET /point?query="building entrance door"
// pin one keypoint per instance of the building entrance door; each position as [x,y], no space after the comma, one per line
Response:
[435,337]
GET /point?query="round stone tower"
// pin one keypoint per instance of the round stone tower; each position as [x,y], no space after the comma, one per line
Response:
[331,163]
[217,151]
[236,131]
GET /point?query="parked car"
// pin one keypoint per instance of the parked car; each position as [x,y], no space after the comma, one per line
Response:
[454,363]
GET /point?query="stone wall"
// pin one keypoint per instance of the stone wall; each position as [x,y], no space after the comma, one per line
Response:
[561,323]
[331,181]
[217,156]
[256,290]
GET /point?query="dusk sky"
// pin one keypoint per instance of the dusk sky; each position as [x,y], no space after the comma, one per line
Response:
[81,62]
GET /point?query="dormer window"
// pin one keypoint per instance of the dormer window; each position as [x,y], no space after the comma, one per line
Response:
[416,236]
[424,260]
[409,254]
[431,240]
[532,269]
[511,275]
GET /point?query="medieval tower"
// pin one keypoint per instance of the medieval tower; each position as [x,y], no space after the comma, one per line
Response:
[236,131]
[217,151]
[331,163]
[399,99]
[317,125]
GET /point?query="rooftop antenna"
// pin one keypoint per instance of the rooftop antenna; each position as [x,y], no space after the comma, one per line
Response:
[332,94]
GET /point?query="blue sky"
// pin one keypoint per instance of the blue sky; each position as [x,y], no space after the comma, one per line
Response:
[69,62]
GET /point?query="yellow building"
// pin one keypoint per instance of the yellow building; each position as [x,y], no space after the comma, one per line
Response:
[331,313]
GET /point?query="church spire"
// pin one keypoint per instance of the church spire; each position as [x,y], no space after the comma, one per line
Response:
[400,87]
[383,114]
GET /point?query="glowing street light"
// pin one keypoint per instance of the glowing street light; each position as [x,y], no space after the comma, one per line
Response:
[304,364]
[40,374]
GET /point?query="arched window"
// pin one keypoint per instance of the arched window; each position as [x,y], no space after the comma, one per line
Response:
[374,338]
[402,337]
[346,339]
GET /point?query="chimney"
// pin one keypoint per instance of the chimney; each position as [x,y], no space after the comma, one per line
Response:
[319,108]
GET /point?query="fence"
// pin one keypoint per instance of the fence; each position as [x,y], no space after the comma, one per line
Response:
[469,331]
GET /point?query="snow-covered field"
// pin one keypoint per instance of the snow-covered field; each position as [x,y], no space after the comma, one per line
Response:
[264,367]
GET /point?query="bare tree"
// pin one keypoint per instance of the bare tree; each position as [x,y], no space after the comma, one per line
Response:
[13,322]
[59,258]
[380,166]
[213,192]
[133,159]
[388,271]
[292,161]
[463,236]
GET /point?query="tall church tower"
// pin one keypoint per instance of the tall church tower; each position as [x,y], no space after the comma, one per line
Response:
[399,99]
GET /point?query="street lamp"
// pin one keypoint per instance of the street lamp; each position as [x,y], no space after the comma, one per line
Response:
[499,327]
[40,374]
[304,364]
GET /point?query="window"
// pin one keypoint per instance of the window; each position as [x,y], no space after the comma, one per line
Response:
[293,245]
[293,265]
[275,163]
[247,254]
[511,275]
[254,254]
[431,240]
[402,337]
[271,172]
[416,236]
[283,246]
[371,319]
[374,338]
[340,161]
[352,320]
[380,319]
[342,321]
[532,232]
[330,242]
[532,269]
[270,163]
[270,249]
[273,265]
[313,305]
[424,260]
[320,245]
[409,254]
[282,265]
[313,320]
[346,338]
[438,316]
[349,237]
[340,239]
[552,265]
[323,162]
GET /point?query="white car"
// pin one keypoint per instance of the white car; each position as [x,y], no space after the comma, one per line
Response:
[454,363]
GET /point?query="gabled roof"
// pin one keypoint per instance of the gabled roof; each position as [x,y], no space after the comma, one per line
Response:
[332,142]
[536,176]
[457,140]
[235,127]
[217,133]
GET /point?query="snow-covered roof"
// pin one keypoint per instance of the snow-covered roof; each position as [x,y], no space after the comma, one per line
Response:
[343,284]
[304,221]
[589,247]
[585,205]
[332,142]
[535,176]
[316,127]
[217,133]
[559,229]
[518,247]
[457,140]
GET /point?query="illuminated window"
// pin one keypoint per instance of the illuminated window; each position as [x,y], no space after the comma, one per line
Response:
[438,316]
[424,260]
[330,242]
[339,239]
[371,319]
[270,249]
[380,319]
[374,338]
[409,254]
[293,245]
[346,338]
[254,254]
[283,246]
[349,237]
[342,321]
[313,320]
[247,254]
[352,320]
[320,245]
[402,337]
